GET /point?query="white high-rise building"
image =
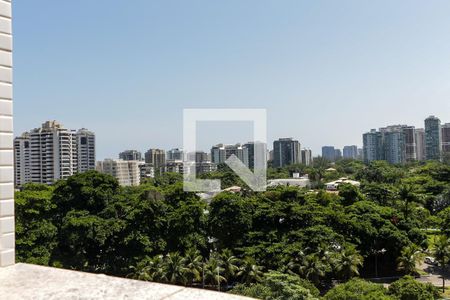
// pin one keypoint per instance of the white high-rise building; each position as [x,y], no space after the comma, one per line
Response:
[22,159]
[52,152]
[307,157]
[220,153]
[127,172]
[420,143]
[86,150]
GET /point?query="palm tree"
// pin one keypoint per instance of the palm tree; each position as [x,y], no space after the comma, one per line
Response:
[249,271]
[442,254]
[313,268]
[174,268]
[193,262]
[213,271]
[229,264]
[347,263]
[407,195]
[409,258]
[295,263]
[150,269]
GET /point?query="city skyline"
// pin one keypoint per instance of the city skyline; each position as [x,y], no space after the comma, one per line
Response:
[299,60]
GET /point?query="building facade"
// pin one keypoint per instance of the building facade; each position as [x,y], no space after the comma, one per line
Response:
[127,172]
[256,149]
[445,135]
[286,151]
[432,138]
[329,153]
[350,152]
[52,152]
[22,159]
[420,143]
[156,157]
[221,152]
[372,146]
[130,155]
[409,138]
[86,150]
[175,154]
[307,158]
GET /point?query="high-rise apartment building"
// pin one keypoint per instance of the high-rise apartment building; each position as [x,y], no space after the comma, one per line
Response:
[372,146]
[22,159]
[350,152]
[175,154]
[198,156]
[445,135]
[307,157]
[329,153]
[202,161]
[156,157]
[221,152]
[286,151]
[127,172]
[256,149]
[394,145]
[86,150]
[53,152]
[130,155]
[409,139]
[420,143]
[432,138]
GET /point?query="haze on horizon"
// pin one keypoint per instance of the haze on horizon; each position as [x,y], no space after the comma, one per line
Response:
[326,71]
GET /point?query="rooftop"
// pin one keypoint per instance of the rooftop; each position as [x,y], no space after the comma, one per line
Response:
[24,281]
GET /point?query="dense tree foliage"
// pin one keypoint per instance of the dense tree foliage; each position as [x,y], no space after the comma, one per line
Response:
[254,240]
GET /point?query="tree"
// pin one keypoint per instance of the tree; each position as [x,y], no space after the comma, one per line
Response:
[357,289]
[149,269]
[228,219]
[213,271]
[175,269]
[193,262]
[407,194]
[442,254]
[249,272]
[278,286]
[36,233]
[348,262]
[444,217]
[349,194]
[407,288]
[313,268]
[229,264]
[409,258]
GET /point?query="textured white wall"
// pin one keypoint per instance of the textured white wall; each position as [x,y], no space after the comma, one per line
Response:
[7,241]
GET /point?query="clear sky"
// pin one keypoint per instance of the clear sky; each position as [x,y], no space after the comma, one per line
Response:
[326,71]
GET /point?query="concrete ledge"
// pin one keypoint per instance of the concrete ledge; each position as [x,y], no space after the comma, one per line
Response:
[24,281]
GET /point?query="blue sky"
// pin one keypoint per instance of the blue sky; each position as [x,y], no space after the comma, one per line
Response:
[326,71]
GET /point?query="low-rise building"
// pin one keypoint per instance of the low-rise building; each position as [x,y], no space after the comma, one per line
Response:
[127,172]
[333,185]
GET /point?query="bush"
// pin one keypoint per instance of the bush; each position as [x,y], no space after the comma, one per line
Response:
[358,289]
[408,288]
